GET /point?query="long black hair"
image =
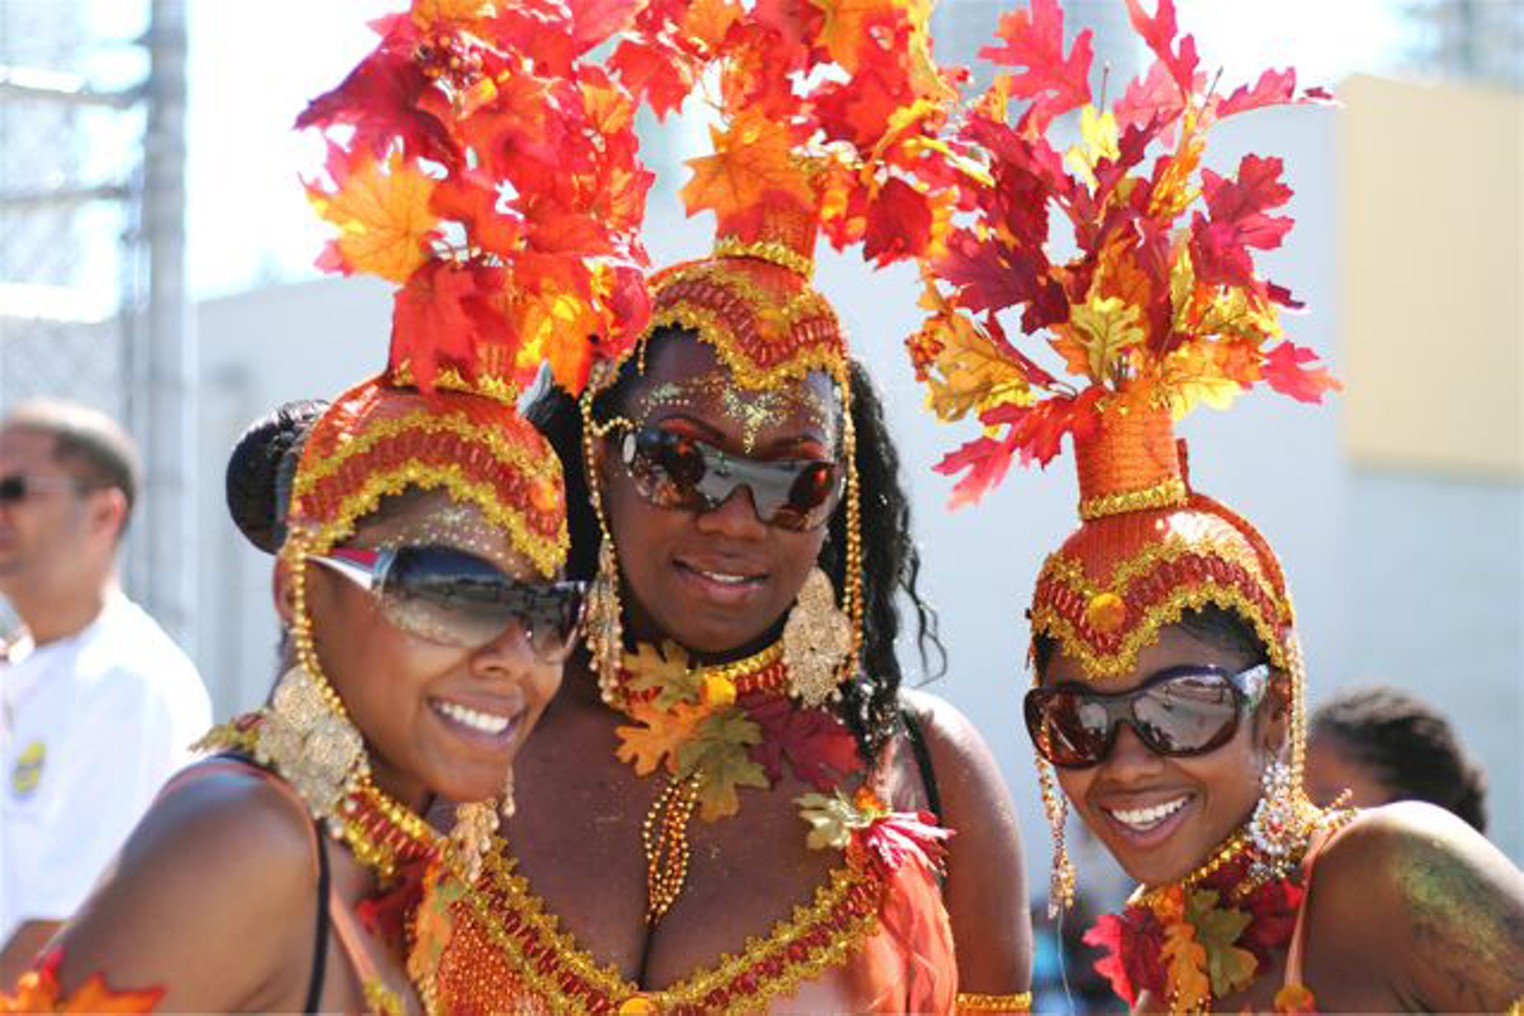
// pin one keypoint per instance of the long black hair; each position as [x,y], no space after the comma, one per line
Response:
[891,562]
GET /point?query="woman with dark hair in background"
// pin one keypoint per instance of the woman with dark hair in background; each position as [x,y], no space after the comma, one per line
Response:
[1167,707]
[1383,744]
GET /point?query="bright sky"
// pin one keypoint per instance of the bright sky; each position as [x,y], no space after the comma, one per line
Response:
[253,67]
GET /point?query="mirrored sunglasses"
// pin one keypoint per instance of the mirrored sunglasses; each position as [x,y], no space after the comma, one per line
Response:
[675,471]
[1180,711]
[453,598]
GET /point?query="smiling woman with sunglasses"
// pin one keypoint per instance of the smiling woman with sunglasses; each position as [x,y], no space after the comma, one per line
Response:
[419,524]
[1168,706]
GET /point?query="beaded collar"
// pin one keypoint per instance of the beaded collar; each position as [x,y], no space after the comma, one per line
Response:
[1207,936]
[711,731]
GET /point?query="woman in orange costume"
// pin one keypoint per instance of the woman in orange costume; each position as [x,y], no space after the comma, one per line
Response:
[418,580]
[1168,704]
[733,807]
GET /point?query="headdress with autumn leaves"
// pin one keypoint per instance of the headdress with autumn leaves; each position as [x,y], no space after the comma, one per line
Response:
[830,113]
[1158,309]
[480,160]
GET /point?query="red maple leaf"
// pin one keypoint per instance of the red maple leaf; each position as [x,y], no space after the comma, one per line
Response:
[381,98]
[1159,33]
[655,72]
[440,317]
[471,199]
[817,746]
[1284,371]
[1034,40]
[899,224]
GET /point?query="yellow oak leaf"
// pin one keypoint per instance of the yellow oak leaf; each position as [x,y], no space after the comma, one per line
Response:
[1175,189]
[660,736]
[1107,328]
[382,213]
[970,373]
[1185,962]
[665,671]
[1098,140]
[1196,373]
[831,818]
[753,158]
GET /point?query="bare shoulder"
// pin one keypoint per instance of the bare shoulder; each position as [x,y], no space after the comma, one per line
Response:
[1441,905]
[986,885]
[221,852]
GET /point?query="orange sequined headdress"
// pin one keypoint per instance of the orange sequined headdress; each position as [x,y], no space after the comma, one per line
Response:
[490,170]
[1153,315]
[850,153]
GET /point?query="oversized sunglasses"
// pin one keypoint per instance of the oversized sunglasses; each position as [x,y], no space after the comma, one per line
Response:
[674,471]
[19,486]
[450,597]
[1180,711]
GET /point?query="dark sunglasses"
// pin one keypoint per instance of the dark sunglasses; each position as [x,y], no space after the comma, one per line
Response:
[450,597]
[674,471]
[1180,711]
[18,486]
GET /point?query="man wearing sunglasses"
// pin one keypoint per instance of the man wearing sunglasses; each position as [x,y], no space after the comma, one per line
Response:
[99,704]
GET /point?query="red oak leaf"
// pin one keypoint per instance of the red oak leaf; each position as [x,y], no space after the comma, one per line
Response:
[1238,220]
[987,461]
[1159,33]
[1034,40]
[1134,945]
[1283,369]
[817,746]
[1152,97]
[1273,88]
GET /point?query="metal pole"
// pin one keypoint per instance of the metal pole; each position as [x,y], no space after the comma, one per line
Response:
[170,413]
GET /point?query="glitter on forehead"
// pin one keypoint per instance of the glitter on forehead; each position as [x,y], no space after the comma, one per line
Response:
[751,409]
[457,525]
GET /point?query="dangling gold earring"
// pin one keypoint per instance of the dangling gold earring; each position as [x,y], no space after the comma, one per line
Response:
[603,619]
[471,835]
[816,639]
[318,750]
[1061,879]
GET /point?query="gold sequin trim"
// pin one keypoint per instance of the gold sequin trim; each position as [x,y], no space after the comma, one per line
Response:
[1169,494]
[450,379]
[546,553]
[375,433]
[780,254]
[818,936]
[718,332]
[1046,620]
[970,1002]
[1072,571]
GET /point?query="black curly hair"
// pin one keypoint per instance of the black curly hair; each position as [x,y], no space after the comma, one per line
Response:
[891,562]
[258,478]
[1408,746]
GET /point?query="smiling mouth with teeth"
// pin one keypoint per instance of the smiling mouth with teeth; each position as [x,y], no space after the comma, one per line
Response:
[487,723]
[1147,818]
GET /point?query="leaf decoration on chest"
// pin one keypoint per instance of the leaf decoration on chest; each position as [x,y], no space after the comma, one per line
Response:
[728,727]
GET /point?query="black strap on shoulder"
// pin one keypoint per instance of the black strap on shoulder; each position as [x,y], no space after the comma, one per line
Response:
[320,945]
[923,762]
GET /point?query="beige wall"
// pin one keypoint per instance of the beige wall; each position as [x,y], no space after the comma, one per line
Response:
[1432,277]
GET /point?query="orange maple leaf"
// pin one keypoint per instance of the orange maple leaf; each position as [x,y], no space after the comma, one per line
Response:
[383,214]
[706,21]
[661,734]
[39,991]
[844,31]
[752,159]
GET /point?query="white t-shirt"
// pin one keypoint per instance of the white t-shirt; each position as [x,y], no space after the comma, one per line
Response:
[90,727]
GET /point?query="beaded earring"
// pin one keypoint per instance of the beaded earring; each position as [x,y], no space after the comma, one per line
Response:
[603,617]
[1061,878]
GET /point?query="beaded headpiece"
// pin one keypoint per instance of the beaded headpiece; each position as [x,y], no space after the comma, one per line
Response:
[489,170]
[1152,316]
[851,153]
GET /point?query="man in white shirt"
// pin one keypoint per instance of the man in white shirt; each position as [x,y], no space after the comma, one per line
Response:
[99,704]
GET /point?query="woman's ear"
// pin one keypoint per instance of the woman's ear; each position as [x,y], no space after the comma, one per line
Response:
[1275,712]
[284,587]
